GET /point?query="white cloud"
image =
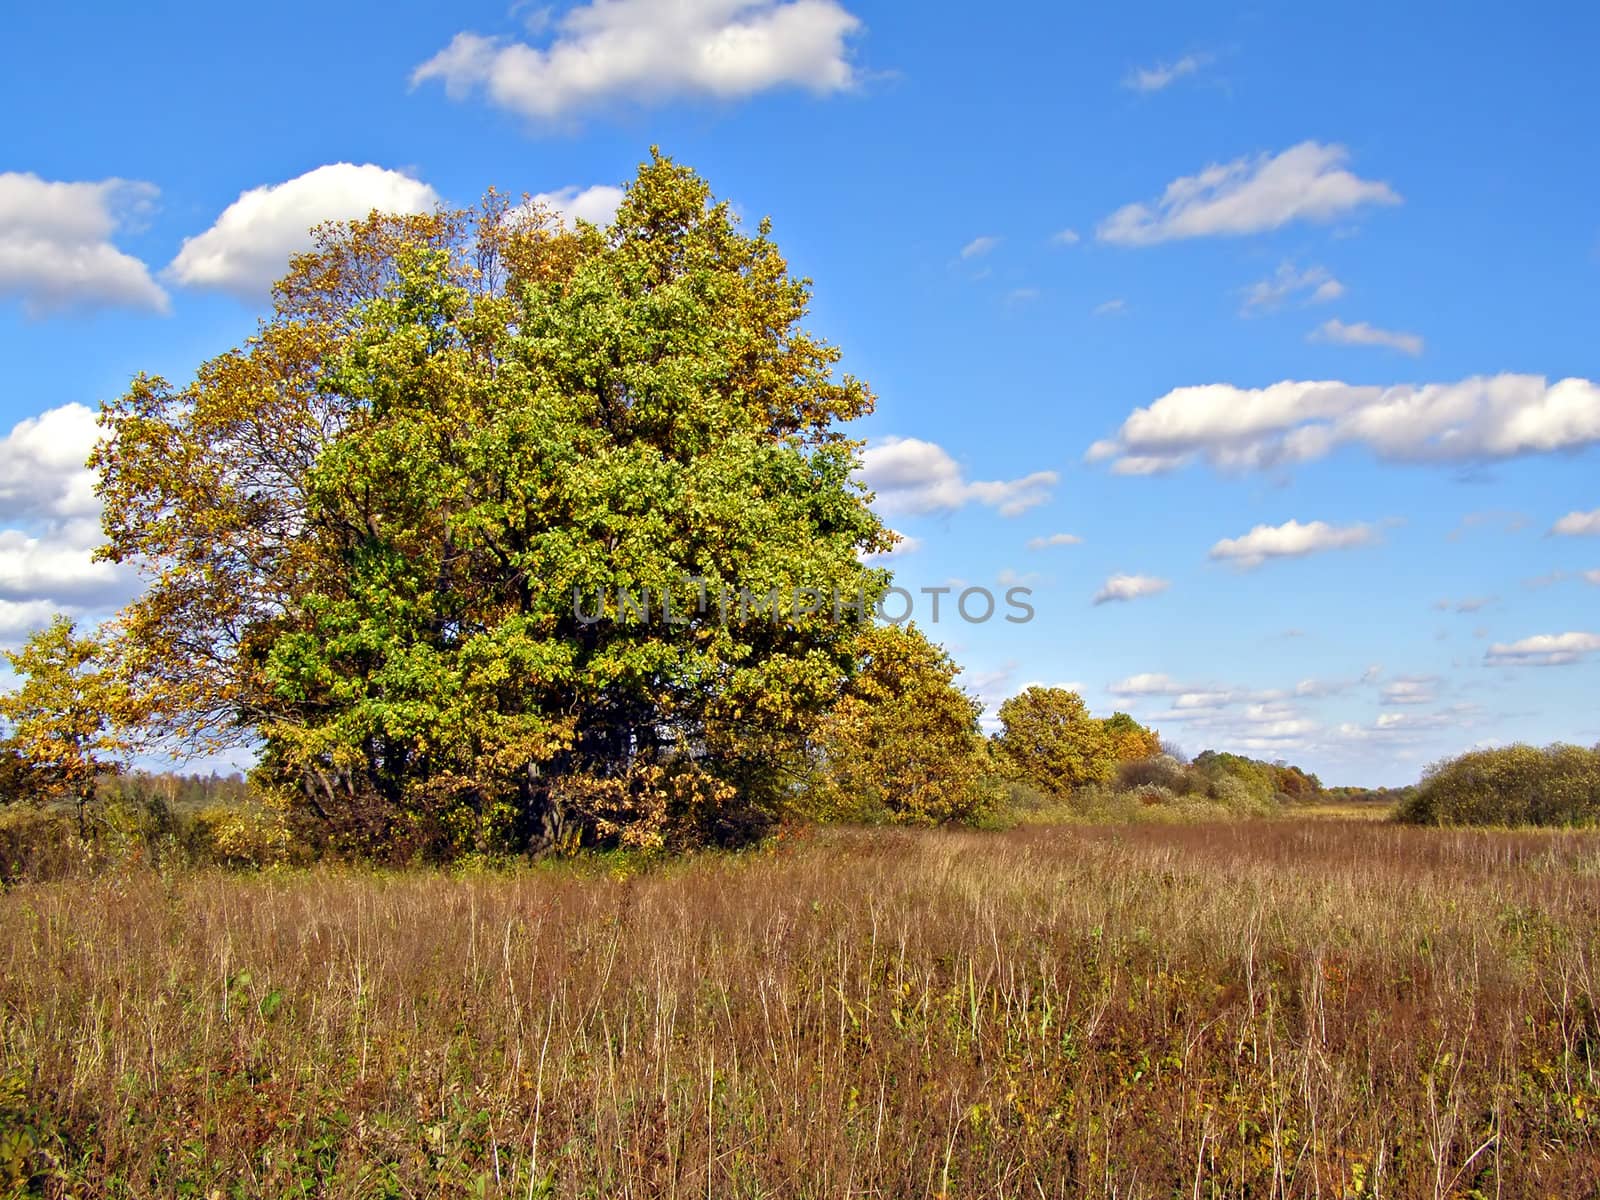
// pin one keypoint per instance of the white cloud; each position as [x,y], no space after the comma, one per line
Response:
[1147,684]
[979,246]
[597,205]
[249,246]
[1544,650]
[1409,727]
[1410,689]
[1130,587]
[1066,237]
[59,564]
[1471,604]
[1250,720]
[1235,428]
[992,688]
[50,524]
[910,475]
[56,252]
[647,52]
[1111,308]
[1361,334]
[1054,539]
[1289,540]
[906,545]
[1318,689]
[44,465]
[1307,182]
[1578,524]
[1162,75]
[1315,282]
[1592,577]
[20,618]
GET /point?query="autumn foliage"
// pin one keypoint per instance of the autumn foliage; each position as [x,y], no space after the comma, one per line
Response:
[365,532]
[903,742]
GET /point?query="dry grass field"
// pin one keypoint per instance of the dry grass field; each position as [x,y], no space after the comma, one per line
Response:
[1273,1009]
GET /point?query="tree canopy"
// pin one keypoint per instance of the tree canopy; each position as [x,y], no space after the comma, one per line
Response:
[61,719]
[903,742]
[367,532]
[1048,737]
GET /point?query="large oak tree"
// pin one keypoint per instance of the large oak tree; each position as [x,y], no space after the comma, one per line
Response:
[364,531]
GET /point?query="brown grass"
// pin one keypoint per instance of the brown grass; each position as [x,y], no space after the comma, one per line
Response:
[1251,1009]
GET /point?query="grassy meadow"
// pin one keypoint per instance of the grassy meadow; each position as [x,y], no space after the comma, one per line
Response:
[1327,1008]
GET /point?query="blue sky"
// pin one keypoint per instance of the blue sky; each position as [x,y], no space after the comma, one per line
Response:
[1289,317]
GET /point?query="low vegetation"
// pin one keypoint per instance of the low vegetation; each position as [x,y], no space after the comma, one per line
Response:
[1240,1009]
[1516,785]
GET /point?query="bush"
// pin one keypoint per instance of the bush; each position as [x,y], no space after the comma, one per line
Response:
[1515,785]
[1161,770]
[38,843]
[240,837]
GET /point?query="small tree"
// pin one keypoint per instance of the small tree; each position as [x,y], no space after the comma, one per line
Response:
[62,717]
[903,742]
[1131,741]
[1050,739]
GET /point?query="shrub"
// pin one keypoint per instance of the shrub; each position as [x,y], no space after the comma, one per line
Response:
[1515,785]
[38,843]
[1161,771]
[240,837]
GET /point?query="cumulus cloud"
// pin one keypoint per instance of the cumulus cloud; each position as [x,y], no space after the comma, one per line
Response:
[979,246]
[249,246]
[1578,524]
[1121,588]
[56,252]
[1544,650]
[58,564]
[20,618]
[49,524]
[1054,539]
[43,465]
[1066,237]
[1289,540]
[646,52]
[1481,419]
[1315,284]
[1361,334]
[910,475]
[1111,308]
[1307,182]
[597,205]
[1163,75]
